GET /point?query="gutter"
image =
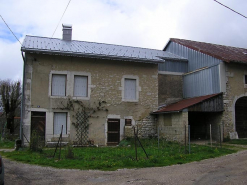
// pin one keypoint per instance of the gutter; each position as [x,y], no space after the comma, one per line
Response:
[165,112]
[22,98]
[91,55]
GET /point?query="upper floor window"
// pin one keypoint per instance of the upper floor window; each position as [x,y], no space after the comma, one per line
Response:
[58,85]
[129,89]
[81,86]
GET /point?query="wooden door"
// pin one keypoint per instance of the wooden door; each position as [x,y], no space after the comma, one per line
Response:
[113,132]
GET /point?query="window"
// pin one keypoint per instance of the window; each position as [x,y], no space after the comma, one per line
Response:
[128,122]
[60,118]
[129,89]
[245,79]
[58,85]
[81,86]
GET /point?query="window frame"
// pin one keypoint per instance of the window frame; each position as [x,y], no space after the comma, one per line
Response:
[74,86]
[122,88]
[89,85]
[70,84]
[66,131]
[65,85]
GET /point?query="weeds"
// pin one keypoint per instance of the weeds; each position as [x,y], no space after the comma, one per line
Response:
[5,143]
[69,154]
[35,143]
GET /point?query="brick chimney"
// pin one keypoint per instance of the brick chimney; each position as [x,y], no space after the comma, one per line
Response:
[67,32]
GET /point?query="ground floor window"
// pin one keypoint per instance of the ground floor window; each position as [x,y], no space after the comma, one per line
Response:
[60,119]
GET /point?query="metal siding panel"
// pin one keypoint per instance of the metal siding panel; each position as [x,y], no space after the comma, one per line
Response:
[201,83]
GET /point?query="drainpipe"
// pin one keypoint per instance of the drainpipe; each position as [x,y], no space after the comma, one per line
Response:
[22,98]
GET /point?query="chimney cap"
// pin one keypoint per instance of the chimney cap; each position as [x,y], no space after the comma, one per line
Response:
[67,26]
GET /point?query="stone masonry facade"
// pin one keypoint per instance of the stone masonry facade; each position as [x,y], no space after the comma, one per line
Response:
[172,126]
[235,89]
[105,99]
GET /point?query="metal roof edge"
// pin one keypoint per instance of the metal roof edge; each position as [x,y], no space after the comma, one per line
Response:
[167,43]
[168,112]
[174,59]
[92,56]
[178,110]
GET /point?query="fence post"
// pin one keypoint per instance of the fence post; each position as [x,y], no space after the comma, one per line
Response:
[220,135]
[61,141]
[210,130]
[135,142]
[189,137]
[158,137]
[185,139]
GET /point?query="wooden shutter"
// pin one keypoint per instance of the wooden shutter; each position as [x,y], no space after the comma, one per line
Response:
[58,85]
[80,86]
[130,89]
[60,118]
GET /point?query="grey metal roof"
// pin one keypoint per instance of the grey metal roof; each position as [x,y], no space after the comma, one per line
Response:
[95,50]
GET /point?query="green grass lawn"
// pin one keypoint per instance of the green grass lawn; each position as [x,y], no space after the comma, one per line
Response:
[6,144]
[123,156]
[238,141]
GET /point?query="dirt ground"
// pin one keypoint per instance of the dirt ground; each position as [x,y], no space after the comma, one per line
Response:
[230,169]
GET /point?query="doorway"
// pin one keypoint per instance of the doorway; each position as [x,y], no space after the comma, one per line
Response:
[241,117]
[38,125]
[113,132]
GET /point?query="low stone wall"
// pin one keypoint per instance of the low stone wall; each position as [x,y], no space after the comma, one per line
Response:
[146,128]
[172,133]
[172,126]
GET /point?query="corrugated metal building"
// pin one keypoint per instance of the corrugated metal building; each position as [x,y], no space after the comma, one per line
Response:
[211,69]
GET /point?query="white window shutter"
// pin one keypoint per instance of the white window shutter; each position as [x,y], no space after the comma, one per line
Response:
[130,89]
[60,118]
[58,85]
[80,86]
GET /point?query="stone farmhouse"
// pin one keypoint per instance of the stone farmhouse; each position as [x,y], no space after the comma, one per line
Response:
[94,93]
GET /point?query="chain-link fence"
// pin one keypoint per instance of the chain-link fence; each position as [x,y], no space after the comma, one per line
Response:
[210,135]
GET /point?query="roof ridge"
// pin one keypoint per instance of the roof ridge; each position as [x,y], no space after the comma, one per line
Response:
[207,43]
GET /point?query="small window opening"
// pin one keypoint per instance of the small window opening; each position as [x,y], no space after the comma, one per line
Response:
[128,122]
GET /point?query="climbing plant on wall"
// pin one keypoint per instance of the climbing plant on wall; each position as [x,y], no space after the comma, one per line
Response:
[81,114]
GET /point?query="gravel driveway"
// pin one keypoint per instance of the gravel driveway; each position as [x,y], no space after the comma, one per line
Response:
[230,169]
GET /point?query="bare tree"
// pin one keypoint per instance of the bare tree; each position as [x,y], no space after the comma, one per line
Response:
[11,100]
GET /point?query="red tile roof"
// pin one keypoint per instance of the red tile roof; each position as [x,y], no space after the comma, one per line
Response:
[185,103]
[224,53]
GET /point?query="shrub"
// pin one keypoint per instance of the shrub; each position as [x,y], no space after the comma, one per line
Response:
[35,144]
[69,154]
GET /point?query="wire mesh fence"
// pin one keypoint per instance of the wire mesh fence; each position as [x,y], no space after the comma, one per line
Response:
[210,135]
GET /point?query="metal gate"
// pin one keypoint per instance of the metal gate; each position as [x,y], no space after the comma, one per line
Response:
[113,132]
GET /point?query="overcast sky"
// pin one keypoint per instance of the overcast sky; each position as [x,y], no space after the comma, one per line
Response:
[141,23]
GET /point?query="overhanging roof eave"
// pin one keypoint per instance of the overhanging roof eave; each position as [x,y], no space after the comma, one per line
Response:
[153,61]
